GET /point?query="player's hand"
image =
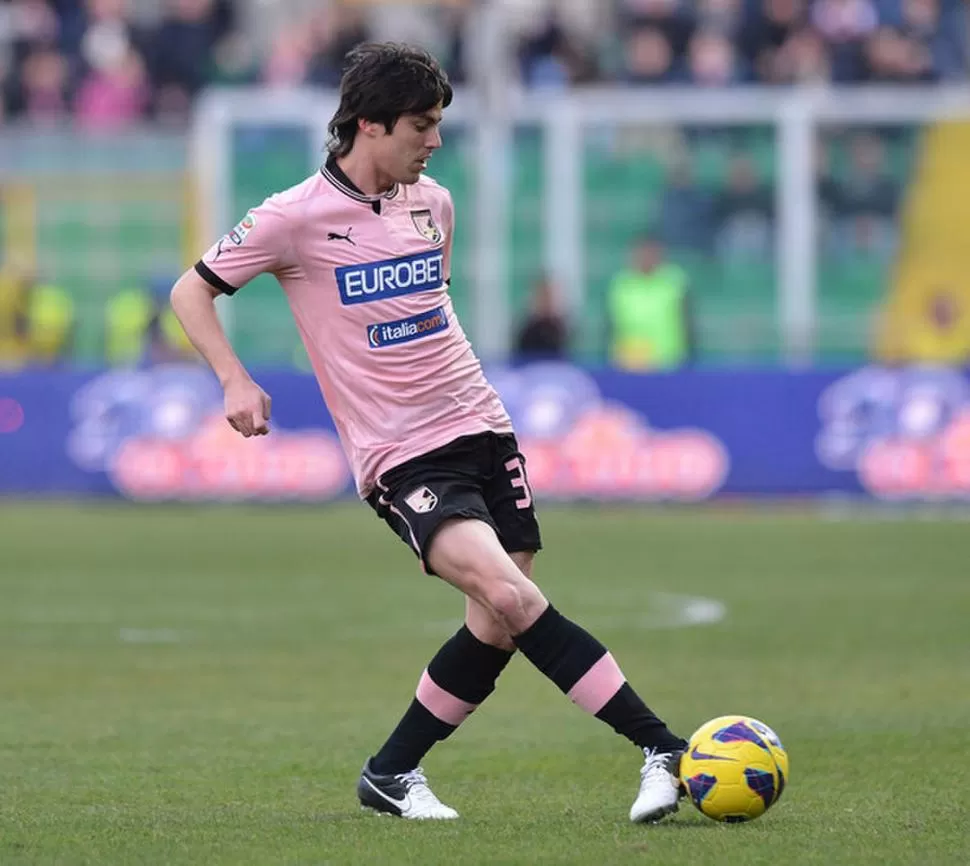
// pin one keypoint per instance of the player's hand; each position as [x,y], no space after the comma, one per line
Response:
[247,407]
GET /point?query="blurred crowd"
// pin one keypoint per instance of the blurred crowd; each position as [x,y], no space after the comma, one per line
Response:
[723,42]
[858,205]
[103,61]
[104,64]
[110,62]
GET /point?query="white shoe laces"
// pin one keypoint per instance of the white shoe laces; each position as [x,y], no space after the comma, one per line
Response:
[654,767]
[417,785]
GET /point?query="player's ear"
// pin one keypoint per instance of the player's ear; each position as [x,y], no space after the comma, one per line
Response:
[369,127]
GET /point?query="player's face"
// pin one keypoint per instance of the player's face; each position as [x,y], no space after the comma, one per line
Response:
[409,146]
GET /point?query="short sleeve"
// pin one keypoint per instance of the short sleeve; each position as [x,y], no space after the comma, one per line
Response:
[259,244]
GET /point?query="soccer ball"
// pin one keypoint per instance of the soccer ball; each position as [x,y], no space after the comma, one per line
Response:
[734,768]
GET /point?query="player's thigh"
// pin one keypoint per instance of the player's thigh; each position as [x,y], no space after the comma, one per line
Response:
[509,499]
[416,500]
[469,555]
[524,560]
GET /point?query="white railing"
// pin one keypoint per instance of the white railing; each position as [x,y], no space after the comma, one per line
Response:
[565,118]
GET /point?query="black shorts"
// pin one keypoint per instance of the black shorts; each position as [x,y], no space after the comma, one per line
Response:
[481,476]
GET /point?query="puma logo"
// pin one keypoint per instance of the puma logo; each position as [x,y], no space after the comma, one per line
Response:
[336,236]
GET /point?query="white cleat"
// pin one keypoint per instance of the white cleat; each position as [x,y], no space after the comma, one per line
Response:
[405,795]
[659,787]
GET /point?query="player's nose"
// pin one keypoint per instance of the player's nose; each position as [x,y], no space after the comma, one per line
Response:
[433,141]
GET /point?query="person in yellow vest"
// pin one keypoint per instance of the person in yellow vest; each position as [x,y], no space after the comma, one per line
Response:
[648,308]
[127,317]
[140,328]
[36,322]
[50,324]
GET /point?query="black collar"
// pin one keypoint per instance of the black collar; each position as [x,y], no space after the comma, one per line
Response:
[338,177]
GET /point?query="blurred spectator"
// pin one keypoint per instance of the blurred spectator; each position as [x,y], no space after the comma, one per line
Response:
[182,47]
[744,213]
[545,332]
[288,64]
[922,22]
[235,60]
[666,16]
[36,321]
[84,26]
[868,188]
[801,59]
[551,57]
[648,306]
[42,91]
[895,58]
[27,23]
[720,16]
[312,51]
[453,54]
[864,202]
[768,28]
[712,60]
[845,24]
[334,34]
[844,21]
[141,328]
[649,59]
[684,214]
[50,324]
[116,92]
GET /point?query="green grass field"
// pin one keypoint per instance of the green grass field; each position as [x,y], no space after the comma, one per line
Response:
[202,685]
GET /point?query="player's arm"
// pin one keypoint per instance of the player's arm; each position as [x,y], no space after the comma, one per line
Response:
[258,244]
[247,405]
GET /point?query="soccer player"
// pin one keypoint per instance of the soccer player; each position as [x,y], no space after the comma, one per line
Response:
[362,249]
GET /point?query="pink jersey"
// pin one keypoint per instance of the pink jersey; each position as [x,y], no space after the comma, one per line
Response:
[367,280]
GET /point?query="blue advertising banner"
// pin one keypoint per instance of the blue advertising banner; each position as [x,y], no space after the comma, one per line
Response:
[159,434]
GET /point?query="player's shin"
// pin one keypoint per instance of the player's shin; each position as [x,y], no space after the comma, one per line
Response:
[587,673]
[460,676]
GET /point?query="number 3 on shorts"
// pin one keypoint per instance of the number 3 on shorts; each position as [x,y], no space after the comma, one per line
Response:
[517,480]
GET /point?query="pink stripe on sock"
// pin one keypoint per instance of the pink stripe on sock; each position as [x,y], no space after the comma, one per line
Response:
[444,705]
[597,685]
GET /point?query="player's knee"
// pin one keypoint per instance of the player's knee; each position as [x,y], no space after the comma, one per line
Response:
[515,603]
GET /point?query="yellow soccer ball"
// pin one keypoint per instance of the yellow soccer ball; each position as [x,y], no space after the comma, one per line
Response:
[734,769]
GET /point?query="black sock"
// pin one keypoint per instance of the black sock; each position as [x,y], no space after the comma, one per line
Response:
[460,676]
[566,653]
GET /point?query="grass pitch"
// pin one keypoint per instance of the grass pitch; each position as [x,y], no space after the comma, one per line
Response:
[202,685]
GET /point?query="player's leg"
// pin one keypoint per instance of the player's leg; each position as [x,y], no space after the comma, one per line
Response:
[480,622]
[463,671]
[511,506]
[469,555]
[470,662]
[456,681]
[459,678]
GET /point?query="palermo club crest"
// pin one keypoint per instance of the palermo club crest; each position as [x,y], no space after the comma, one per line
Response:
[426,226]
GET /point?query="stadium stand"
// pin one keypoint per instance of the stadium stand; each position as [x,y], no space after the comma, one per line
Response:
[109,65]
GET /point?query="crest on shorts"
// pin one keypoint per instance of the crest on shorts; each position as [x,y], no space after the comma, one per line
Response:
[425,224]
[421,501]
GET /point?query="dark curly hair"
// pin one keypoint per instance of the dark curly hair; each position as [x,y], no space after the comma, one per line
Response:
[381,82]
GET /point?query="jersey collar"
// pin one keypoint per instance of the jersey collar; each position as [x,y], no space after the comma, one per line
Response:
[336,175]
